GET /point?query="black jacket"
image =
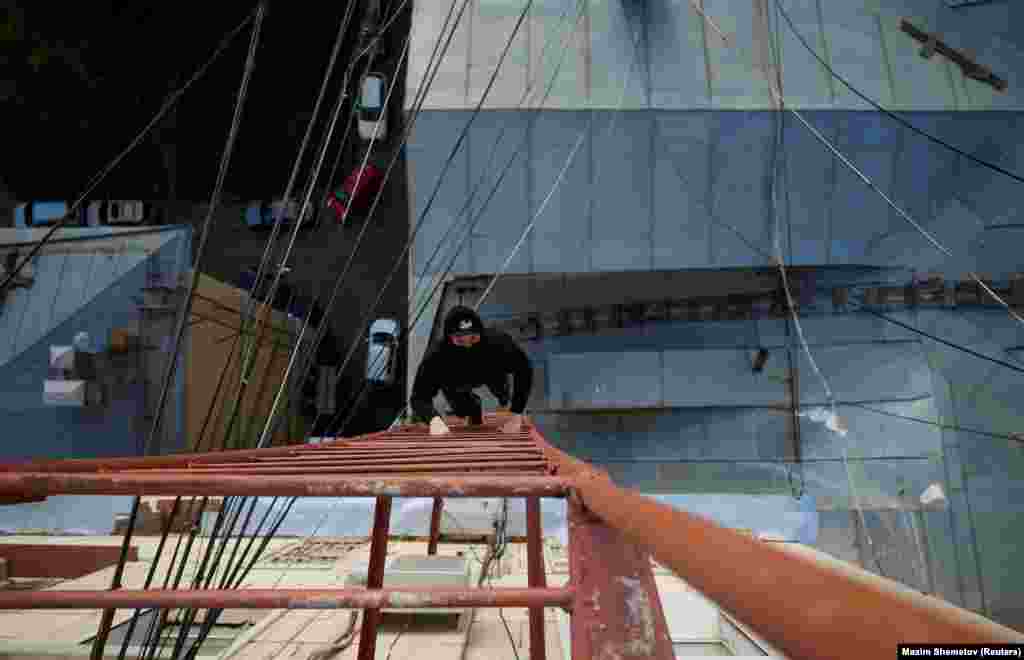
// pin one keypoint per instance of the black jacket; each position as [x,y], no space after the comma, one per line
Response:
[448,366]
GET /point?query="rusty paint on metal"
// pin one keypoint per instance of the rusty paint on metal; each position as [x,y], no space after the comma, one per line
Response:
[285,598]
[307,458]
[435,525]
[486,460]
[535,575]
[375,575]
[369,468]
[155,462]
[617,614]
[432,443]
[804,607]
[158,483]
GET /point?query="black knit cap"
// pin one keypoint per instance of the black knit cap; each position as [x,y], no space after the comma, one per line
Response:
[462,321]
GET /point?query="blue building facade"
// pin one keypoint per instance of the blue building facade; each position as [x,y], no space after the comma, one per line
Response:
[681,160]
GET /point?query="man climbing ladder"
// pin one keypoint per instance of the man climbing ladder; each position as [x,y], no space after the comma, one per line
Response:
[469,356]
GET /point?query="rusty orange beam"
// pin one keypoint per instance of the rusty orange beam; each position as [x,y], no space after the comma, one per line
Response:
[368,468]
[435,457]
[157,483]
[111,464]
[272,599]
[535,576]
[805,607]
[435,525]
[618,612]
[404,449]
[375,576]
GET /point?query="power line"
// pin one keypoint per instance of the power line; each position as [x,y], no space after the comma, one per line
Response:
[485,171]
[437,186]
[565,168]
[938,246]
[295,353]
[248,361]
[231,525]
[887,112]
[102,174]
[420,98]
[950,427]
[250,64]
[940,340]
[354,407]
[354,404]
[284,513]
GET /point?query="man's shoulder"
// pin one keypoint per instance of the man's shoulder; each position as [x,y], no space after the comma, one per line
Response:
[498,337]
[503,342]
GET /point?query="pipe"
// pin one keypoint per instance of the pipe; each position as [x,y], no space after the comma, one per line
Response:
[535,575]
[280,485]
[375,576]
[291,599]
[435,525]
[805,604]
[435,464]
[308,457]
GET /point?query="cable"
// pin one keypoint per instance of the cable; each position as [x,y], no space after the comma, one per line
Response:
[353,406]
[404,629]
[450,159]
[271,298]
[249,355]
[776,86]
[348,126]
[149,579]
[101,638]
[249,359]
[938,246]
[558,180]
[485,171]
[295,353]
[102,174]
[778,147]
[1018,438]
[340,643]
[889,113]
[417,104]
[958,347]
[421,96]
[376,40]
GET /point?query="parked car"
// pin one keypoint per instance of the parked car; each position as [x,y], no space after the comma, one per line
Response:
[356,192]
[382,357]
[264,214]
[372,115]
[44,214]
[119,212]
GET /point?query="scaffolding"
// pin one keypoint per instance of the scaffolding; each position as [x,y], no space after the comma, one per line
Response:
[803,603]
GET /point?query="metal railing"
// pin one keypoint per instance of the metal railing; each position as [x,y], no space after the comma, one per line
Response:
[804,603]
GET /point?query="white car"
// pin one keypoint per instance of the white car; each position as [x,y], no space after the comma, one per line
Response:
[382,356]
[372,113]
[117,212]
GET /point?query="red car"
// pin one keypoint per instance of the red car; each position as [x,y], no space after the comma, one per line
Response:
[353,196]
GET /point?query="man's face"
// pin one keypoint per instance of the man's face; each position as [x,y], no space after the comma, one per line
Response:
[465,341]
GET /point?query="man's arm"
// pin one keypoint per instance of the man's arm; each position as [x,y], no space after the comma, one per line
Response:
[425,387]
[518,362]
